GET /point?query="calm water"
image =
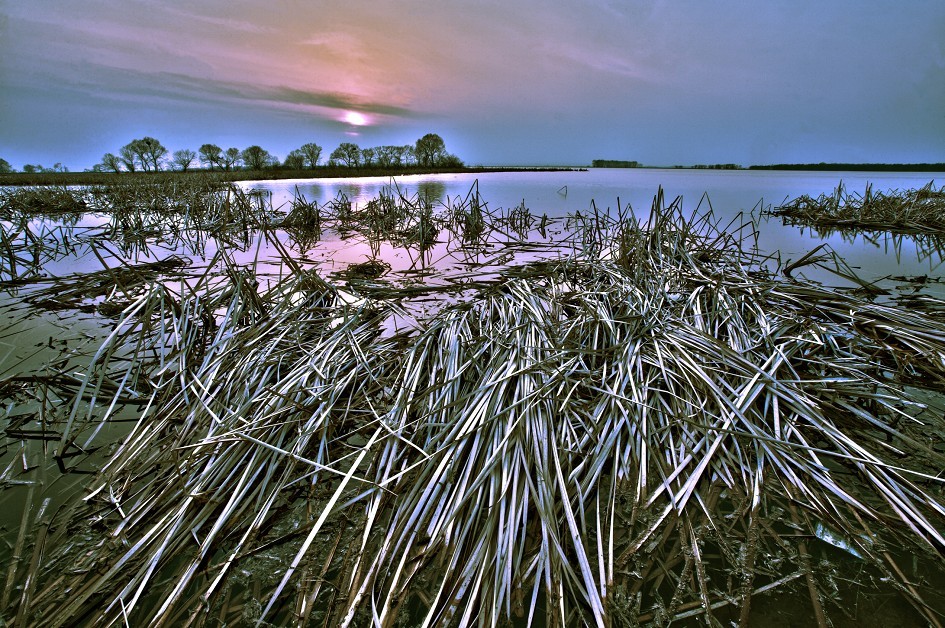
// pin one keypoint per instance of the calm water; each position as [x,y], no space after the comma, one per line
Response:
[729,192]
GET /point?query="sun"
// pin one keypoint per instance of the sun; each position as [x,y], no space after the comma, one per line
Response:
[355,119]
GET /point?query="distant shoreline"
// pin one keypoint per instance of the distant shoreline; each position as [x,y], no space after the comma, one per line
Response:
[867,167]
[338,172]
[322,172]
[819,167]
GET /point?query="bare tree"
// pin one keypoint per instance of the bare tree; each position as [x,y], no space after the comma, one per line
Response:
[312,152]
[256,157]
[408,156]
[295,160]
[388,156]
[148,152]
[152,151]
[184,158]
[128,158]
[430,149]
[347,153]
[111,161]
[230,158]
[211,155]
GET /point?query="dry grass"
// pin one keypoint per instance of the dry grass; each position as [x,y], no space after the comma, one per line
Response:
[908,211]
[653,429]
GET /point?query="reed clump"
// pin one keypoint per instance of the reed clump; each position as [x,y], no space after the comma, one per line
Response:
[908,211]
[198,202]
[41,201]
[652,429]
[470,221]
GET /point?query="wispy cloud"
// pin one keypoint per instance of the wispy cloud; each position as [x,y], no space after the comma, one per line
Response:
[222,22]
[602,61]
[191,89]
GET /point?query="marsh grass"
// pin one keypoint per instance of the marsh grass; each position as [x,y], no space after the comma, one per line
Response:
[188,205]
[401,219]
[908,211]
[44,201]
[656,427]
[410,222]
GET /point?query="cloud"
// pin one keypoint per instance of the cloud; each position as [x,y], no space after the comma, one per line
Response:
[188,87]
[601,61]
[123,84]
[224,23]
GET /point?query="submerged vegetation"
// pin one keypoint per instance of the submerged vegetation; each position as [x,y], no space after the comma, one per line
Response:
[653,423]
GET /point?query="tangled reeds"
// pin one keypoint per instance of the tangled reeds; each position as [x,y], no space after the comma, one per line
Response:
[910,211]
[393,216]
[43,201]
[652,429]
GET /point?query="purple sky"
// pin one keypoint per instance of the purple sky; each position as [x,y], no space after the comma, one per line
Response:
[503,82]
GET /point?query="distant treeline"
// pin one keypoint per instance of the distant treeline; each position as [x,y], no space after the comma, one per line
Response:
[940,167]
[614,163]
[148,154]
[712,167]
[105,178]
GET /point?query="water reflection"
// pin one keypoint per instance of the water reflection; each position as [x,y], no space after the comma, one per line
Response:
[431,192]
[925,248]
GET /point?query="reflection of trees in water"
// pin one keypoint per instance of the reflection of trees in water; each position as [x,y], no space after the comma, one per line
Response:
[308,190]
[431,191]
[351,190]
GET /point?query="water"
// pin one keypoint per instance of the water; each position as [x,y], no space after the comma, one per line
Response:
[728,192]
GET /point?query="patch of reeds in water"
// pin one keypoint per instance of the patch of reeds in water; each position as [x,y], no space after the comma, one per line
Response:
[197,204]
[180,213]
[651,430]
[910,211]
[43,201]
[403,220]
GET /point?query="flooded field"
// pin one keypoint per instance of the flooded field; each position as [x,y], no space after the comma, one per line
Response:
[535,398]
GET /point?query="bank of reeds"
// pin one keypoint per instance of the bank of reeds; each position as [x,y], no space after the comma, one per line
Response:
[908,211]
[393,216]
[654,429]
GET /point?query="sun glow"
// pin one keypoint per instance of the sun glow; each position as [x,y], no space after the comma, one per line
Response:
[355,119]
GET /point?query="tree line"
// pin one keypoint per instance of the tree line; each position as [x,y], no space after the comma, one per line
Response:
[6,168]
[147,154]
[853,167]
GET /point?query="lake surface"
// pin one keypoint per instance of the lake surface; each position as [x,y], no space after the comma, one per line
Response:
[729,193]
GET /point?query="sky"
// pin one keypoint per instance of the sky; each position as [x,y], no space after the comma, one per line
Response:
[503,82]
